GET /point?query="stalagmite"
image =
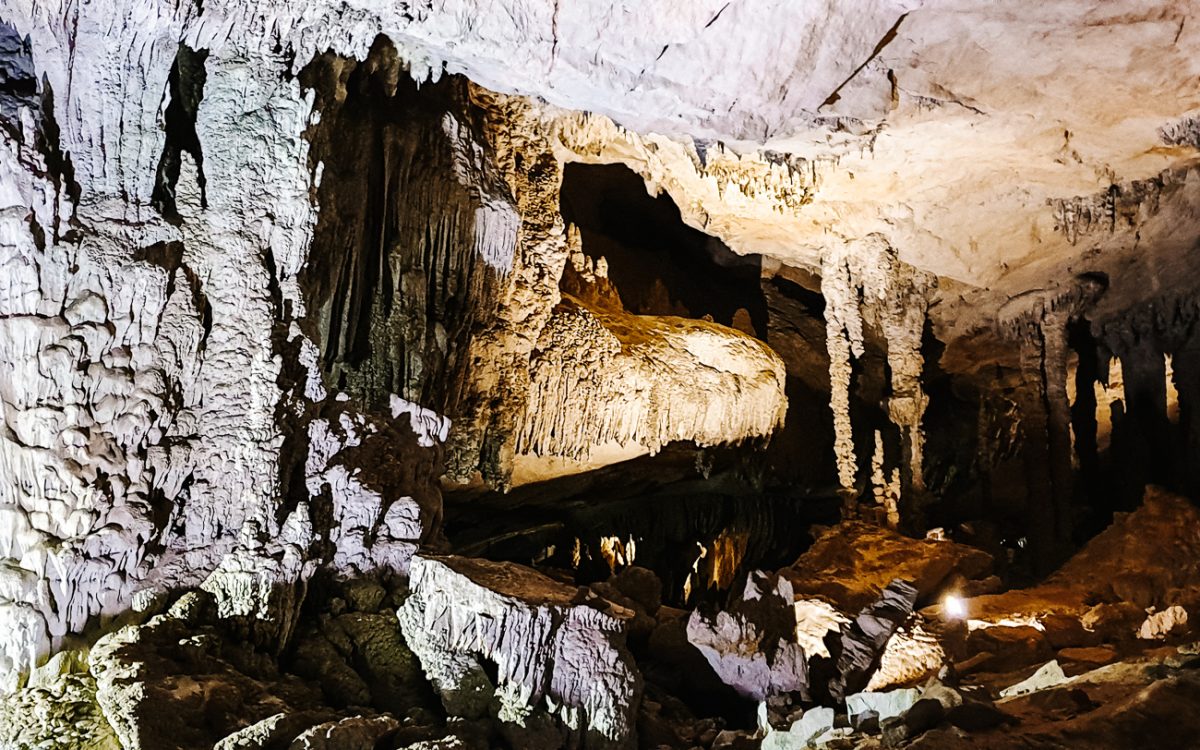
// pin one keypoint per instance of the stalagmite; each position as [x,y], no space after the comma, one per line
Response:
[886,488]
[1110,399]
[865,284]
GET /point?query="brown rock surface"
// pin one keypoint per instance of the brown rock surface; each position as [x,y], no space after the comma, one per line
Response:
[852,563]
[1150,557]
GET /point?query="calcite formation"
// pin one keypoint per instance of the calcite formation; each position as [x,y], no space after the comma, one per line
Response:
[279,279]
[770,643]
[753,647]
[866,285]
[553,654]
[604,376]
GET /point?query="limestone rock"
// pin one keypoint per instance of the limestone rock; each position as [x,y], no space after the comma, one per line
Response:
[553,656]
[275,731]
[762,645]
[1012,647]
[864,640]
[355,733]
[607,378]
[1089,655]
[815,727]
[852,562]
[62,713]
[641,585]
[1084,586]
[1048,675]
[752,646]
[1159,625]
[169,683]
[883,705]
[976,716]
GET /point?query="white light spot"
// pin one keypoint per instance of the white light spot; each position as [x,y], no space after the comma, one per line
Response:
[954,607]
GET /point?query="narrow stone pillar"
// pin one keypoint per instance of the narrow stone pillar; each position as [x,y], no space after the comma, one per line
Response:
[864,282]
[1058,422]
[1035,452]
[843,339]
[904,327]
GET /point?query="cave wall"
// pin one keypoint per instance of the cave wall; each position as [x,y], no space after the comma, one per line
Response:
[199,246]
[142,351]
[416,231]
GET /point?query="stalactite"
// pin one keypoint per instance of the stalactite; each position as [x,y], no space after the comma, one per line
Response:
[865,283]
[417,230]
[604,378]
[903,325]
[843,337]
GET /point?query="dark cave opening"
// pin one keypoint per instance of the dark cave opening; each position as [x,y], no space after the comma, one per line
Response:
[659,264]
[396,277]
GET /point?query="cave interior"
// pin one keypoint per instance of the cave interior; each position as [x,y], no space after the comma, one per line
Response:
[395,380]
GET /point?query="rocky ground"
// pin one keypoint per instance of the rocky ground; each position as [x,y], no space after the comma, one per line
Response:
[869,640]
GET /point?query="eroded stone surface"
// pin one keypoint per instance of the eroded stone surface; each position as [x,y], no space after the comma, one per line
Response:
[551,653]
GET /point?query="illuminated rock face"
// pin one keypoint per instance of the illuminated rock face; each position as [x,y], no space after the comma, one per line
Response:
[639,382]
[270,271]
[554,656]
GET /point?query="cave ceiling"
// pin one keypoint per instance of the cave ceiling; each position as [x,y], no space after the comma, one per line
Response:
[1004,148]
[1001,147]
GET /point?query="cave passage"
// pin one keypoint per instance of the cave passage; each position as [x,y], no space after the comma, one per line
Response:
[659,264]
[697,517]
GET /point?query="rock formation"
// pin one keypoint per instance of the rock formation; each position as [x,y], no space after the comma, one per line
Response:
[554,656]
[461,374]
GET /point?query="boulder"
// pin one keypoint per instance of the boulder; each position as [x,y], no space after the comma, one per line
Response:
[761,646]
[1012,647]
[177,683]
[1090,656]
[752,645]
[354,733]
[62,713]
[1159,625]
[864,639]
[1048,675]
[1066,631]
[924,715]
[976,716]
[883,705]
[814,727]
[640,585]
[947,696]
[852,563]
[275,731]
[561,666]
